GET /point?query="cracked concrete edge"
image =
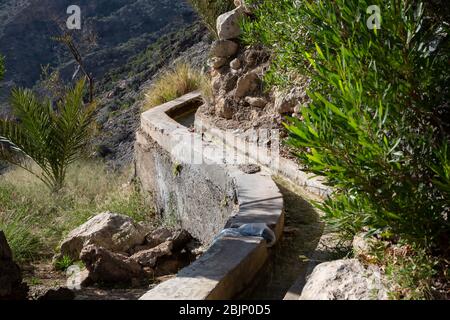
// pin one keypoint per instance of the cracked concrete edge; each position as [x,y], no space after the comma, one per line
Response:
[230,264]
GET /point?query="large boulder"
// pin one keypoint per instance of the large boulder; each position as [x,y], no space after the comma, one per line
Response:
[225,108]
[345,279]
[108,267]
[114,232]
[11,285]
[228,24]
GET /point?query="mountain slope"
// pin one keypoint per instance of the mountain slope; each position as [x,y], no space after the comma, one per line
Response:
[122,28]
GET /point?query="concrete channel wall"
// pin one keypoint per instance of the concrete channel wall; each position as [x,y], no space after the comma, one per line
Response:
[193,182]
[270,159]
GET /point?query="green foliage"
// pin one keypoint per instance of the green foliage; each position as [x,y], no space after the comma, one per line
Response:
[35,220]
[376,127]
[63,263]
[52,137]
[210,10]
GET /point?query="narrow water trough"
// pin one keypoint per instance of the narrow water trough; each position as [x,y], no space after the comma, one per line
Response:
[197,185]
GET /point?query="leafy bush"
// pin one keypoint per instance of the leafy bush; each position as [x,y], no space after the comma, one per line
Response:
[376,127]
[210,10]
[172,84]
[52,137]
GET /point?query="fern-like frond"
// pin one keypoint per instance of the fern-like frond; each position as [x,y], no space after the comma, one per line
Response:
[52,137]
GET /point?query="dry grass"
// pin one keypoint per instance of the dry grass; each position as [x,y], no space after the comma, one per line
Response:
[209,10]
[35,220]
[172,84]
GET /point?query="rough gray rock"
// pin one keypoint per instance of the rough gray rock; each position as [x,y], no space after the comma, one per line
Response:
[114,232]
[180,239]
[256,102]
[172,264]
[361,244]
[149,258]
[158,236]
[109,268]
[235,64]
[229,82]
[250,168]
[224,108]
[11,285]
[247,84]
[345,279]
[248,8]
[287,102]
[217,62]
[224,48]
[228,24]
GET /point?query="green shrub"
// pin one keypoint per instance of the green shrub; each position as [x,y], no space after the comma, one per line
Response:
[52,136]
[35,220]
[63,263]
[210,10]
[410,270]
[376,127]
[173,84]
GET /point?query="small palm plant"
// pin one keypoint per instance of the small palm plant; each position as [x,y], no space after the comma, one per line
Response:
[53,137]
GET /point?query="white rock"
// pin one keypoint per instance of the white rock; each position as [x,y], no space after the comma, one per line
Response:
[114,232]
[345,279]
[228,24]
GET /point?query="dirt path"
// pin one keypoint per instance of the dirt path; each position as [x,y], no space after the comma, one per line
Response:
[290,260]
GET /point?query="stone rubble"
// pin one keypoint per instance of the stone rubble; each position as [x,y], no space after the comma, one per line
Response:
[145,255]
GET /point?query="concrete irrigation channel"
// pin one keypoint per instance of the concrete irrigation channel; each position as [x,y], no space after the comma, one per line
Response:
[197,180]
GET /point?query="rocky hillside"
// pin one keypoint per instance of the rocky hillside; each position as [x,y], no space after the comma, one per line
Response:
[121,91]
[122,28]
[135,40]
